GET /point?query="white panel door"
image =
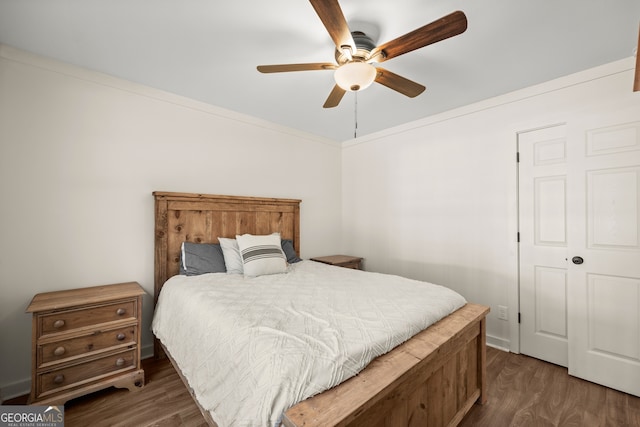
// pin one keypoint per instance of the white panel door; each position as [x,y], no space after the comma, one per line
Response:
[543,243]
[604,242]
[579,213]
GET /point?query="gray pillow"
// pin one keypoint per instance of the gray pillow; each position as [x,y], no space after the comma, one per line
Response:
[201,258]
[289,252]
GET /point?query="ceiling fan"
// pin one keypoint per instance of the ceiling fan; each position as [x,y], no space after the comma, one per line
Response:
[356,53]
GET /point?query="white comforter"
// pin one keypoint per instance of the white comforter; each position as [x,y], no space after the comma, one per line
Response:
[252,347]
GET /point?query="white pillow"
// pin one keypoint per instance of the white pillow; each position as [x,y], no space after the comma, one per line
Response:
[261,254]
[231,255]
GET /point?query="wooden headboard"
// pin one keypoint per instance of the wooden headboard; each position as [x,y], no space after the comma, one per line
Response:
[202,218]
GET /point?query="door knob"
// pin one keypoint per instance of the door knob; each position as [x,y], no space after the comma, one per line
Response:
[577,260]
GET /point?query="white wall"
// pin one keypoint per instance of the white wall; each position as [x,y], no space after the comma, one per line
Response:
[80,154]
[436,199]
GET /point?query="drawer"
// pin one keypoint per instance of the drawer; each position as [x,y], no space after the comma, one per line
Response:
[91,342]
[82,373]
[353,265]
[65,320]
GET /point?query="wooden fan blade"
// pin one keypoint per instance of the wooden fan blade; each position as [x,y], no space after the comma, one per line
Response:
[445,27]
[399,83]
[282,68]
[334,97]
[334,21]
[636,82]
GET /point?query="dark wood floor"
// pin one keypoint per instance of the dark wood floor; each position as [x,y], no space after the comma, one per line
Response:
[528,392]
[522,392]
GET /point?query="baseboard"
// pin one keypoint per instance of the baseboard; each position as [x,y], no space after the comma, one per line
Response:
[499,343]
[23,387]
[146,351]
[13,390]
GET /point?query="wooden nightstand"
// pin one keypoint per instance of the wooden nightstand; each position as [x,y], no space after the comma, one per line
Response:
[341,261]
[84,340]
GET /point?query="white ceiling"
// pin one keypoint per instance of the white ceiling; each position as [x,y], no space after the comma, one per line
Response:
[208,50]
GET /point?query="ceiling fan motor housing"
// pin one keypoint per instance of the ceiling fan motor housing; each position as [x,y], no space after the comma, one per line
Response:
[364,46]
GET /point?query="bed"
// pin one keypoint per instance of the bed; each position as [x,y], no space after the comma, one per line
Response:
[431,379]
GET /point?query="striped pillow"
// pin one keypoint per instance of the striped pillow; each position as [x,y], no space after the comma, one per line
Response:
[261,254]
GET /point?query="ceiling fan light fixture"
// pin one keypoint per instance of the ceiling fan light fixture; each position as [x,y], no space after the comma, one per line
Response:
[355,76]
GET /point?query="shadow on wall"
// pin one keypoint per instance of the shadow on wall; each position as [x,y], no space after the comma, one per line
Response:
[479,286]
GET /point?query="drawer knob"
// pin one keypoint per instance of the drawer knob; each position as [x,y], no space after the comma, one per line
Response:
[120,311]
[120,361]
[58,379]
[120,336]
[58,324]
[59,351]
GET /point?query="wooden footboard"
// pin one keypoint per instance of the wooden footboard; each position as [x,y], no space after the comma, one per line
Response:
[431,380]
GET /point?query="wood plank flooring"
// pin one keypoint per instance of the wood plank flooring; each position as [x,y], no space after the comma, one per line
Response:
[522,391]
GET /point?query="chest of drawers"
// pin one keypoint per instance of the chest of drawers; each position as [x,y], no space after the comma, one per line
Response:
[84,340]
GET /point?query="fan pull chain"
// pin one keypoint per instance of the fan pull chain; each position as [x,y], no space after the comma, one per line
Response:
[355,126]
